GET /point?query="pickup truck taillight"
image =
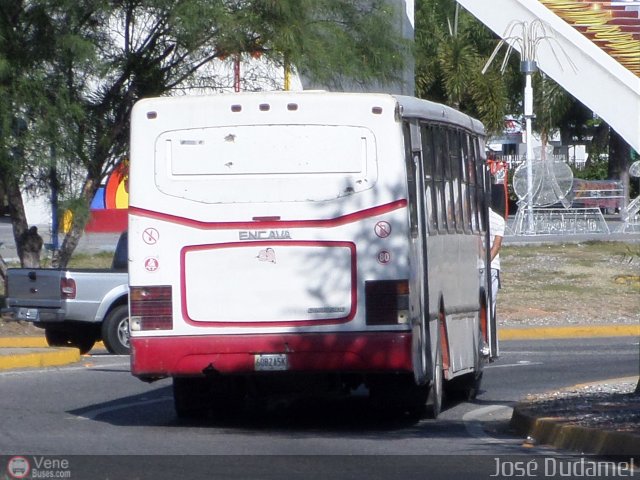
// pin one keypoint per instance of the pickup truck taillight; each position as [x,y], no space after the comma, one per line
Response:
[151,308]
[67,288]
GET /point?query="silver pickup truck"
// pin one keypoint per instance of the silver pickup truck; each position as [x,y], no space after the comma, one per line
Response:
[75,307]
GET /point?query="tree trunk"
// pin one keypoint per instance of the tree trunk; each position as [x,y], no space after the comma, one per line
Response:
[17,215]
[3,272]
[72,237]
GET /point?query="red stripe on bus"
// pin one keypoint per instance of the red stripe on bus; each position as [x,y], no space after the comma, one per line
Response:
[285,243]
[323,223]
[308,352]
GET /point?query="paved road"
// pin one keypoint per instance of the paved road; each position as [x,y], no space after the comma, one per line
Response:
[95,407]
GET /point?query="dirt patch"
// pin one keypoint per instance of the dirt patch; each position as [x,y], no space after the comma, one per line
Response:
[19,329]
[588,283]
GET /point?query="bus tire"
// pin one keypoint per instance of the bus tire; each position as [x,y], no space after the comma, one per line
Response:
[436,392]
[115,331]
[189,397]
[419,354]
[398,393]
[465,387]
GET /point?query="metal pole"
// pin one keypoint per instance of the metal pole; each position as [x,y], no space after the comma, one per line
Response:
[528,67]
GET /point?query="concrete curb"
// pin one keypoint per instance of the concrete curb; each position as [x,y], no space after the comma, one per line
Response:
[552,431]
[34,352]
[23,342]
[39,358]
[579,331]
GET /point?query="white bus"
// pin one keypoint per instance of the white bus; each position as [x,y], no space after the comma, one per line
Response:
[307,239]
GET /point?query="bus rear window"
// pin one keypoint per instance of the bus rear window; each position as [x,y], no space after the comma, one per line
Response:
[262,163]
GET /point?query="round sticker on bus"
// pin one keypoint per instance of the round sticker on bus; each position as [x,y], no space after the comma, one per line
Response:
[150,236]
[383,229]
[384,257]
[151,264]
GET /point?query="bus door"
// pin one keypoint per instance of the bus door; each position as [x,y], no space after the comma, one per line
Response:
[418,307]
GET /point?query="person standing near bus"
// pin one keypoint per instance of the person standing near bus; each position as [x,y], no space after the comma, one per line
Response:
[496,230]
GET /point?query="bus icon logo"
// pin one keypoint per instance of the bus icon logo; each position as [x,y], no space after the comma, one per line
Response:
[18,467]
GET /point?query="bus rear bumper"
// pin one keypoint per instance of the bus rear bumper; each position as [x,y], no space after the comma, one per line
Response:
[153,357]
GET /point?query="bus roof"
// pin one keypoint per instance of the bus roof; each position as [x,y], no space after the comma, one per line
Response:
[411,107]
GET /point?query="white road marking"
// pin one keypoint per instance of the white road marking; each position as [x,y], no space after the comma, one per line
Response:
[473,424]
[522,363]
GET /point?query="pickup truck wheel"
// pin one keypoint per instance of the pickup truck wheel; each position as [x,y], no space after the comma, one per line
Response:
[57,338]
[84,339]
[81,338]
[115,331]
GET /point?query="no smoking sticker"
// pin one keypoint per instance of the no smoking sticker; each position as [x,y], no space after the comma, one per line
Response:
[383,229]
[150,236]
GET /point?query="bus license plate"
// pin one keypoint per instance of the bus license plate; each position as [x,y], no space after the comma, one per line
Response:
[271,362]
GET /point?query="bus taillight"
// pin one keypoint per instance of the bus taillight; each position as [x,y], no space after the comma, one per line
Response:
[151,308]
[387,302]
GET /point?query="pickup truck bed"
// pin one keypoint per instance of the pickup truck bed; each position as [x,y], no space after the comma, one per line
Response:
[75,307]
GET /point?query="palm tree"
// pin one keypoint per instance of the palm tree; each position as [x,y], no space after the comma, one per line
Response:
[451,46]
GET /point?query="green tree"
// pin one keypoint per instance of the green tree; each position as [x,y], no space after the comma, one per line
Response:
[96,58]
[26,47]
[550,104]
[451,49]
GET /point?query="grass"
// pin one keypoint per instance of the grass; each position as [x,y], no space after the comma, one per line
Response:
[587,281]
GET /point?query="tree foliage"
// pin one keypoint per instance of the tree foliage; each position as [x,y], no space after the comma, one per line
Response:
[72,70]
[451,50]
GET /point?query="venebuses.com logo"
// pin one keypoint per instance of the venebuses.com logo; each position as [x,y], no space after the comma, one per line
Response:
[19,467]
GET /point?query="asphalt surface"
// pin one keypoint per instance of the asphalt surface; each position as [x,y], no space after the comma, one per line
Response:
[33,352]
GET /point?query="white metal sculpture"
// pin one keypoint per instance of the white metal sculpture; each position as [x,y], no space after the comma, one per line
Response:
[526,37]
[630,215]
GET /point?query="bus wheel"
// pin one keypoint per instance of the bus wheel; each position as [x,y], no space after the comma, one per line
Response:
[189,397]
[464,387]
[436,392]
[115,330]
[419,354]
[398,394]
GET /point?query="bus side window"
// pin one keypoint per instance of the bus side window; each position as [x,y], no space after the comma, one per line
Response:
[440,144]
[428,158]
[411,181]
[455,157]
[480,179]
[467,210]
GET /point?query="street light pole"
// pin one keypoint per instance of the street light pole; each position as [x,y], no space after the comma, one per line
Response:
[529,67]
[527,37]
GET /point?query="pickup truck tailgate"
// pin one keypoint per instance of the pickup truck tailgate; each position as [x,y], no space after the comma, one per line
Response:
[34,288]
